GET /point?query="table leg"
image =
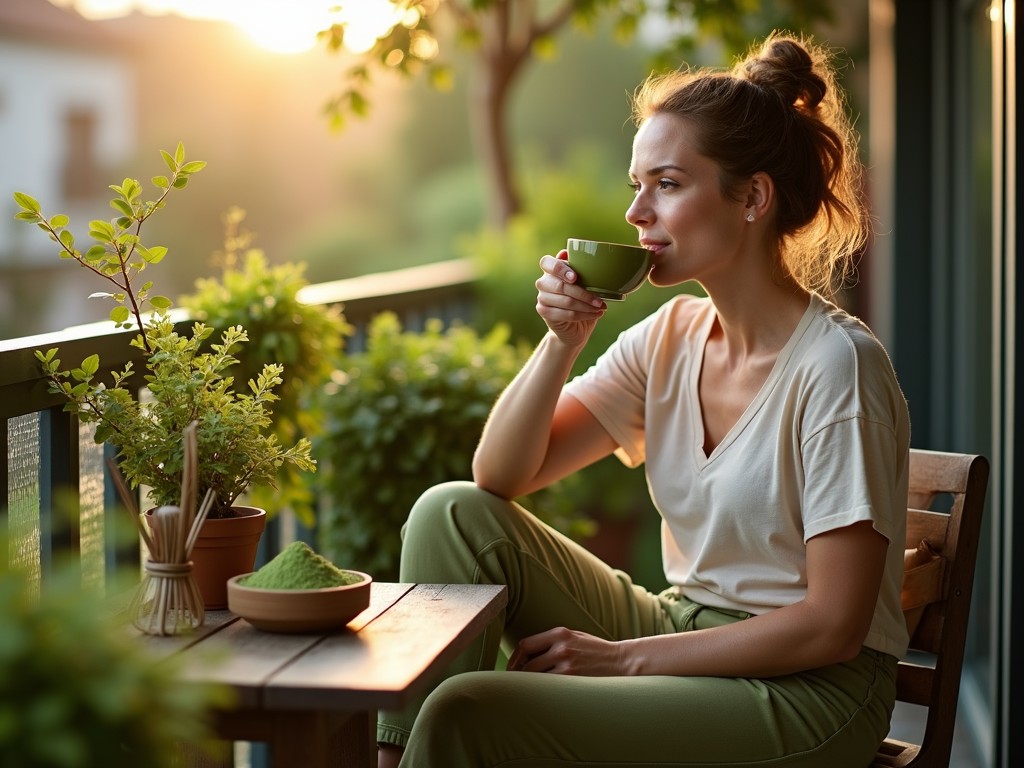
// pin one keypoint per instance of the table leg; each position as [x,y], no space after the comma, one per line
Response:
[359,739]
[327,740]
[308,739]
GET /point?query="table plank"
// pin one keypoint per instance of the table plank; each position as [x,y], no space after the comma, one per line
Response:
[213,622]
[239,655]
[391,658]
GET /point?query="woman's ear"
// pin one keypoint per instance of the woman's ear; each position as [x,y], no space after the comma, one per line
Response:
[760,196]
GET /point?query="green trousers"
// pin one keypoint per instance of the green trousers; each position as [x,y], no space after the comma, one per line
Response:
[832,717]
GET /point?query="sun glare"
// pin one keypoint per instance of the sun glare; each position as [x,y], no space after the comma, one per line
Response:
[275,25]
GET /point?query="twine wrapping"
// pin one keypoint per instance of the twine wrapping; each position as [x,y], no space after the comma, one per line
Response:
[167,600]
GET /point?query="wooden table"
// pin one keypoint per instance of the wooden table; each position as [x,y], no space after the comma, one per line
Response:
[314,697]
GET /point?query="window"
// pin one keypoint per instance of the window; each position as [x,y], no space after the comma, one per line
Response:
[81,177]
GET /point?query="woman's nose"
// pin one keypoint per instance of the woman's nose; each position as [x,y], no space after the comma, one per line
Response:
[638,214]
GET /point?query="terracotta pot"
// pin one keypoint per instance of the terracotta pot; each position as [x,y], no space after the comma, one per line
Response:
[226,547]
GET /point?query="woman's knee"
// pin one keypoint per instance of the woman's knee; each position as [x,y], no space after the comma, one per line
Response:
[448,526]
[473,700]
[460,504]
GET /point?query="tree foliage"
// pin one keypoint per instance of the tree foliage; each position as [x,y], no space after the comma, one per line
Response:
[507,35]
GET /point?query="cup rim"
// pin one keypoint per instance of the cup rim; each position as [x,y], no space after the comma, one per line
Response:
[637,247]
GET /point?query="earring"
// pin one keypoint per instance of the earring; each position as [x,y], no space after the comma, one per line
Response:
[750,215]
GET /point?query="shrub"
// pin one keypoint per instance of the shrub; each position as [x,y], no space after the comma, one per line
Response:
[305,339]
[401,417]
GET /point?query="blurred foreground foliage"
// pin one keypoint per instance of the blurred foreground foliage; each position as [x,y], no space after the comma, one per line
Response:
[77,687]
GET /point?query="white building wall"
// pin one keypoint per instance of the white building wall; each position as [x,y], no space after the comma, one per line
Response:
[39,85]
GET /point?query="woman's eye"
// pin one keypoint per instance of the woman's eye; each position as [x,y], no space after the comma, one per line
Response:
[666,183]
[634,185]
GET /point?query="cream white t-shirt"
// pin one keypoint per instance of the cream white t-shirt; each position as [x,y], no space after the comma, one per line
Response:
[823,445]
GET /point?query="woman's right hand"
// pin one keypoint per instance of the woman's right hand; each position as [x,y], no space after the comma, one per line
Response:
[569,310]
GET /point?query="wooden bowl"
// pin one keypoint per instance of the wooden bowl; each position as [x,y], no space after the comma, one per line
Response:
[299,610]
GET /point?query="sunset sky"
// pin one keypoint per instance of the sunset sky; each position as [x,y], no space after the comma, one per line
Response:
[281,26]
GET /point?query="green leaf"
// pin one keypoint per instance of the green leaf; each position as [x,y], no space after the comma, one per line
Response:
[120,314]
[101,230]
[160,302]
[28,216]
[67,240]
[181,182]
[91,364]
[358,103]
[155,254]
[27,202]
[132,189]
[168,160]
[161,181]
[179,154]
[58,221]
[193,166]
[95,253]
[119,204]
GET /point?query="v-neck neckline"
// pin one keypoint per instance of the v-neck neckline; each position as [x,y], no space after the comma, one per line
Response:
[755,404]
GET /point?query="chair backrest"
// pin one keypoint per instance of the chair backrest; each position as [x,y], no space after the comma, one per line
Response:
[942,630]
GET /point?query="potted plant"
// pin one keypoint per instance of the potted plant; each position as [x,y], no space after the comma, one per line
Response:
[185,381]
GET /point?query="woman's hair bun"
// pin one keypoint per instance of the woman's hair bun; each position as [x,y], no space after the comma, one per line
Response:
[784,66]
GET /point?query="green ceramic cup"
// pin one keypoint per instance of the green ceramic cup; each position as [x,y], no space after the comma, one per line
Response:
[609,270]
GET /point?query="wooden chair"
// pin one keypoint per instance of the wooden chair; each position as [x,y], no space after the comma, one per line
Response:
[942,629]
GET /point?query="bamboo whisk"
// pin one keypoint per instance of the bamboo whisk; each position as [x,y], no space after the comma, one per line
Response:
[167,600]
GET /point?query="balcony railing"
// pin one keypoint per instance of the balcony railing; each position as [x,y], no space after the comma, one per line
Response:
[54,492]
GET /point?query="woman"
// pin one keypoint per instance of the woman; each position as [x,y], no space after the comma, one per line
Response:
[775,440]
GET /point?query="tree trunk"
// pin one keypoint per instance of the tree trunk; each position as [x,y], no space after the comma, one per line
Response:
[509,30]
[489,115]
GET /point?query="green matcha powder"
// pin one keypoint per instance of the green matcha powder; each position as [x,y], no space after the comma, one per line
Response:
[299,567]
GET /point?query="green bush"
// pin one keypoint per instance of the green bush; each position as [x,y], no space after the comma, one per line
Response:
[401,417]
[79,691]
[305,339]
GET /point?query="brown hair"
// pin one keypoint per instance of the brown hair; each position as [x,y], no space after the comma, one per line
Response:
[779,111]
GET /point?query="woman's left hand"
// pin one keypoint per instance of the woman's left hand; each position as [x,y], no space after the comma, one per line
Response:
[567,652]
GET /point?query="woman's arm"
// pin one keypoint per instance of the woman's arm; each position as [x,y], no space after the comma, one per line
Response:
[535,436]
[844,573]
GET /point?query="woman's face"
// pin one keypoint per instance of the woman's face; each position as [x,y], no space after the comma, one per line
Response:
[679,209]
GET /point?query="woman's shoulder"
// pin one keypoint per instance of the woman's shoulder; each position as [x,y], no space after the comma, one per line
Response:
[842,350]
[840,335]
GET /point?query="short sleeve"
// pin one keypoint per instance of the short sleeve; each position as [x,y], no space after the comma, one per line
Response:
[855,442]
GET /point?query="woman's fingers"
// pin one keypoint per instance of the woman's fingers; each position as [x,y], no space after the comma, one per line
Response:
[556,287]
